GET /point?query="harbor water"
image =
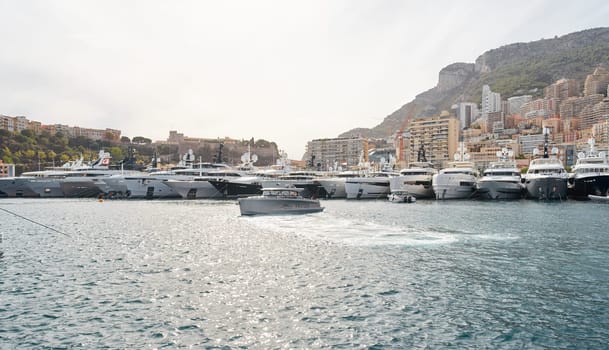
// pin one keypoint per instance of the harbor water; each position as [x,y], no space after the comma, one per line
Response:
[360,275]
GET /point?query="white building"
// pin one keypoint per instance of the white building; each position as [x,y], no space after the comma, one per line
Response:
[467,112]
[491,101]
[515,103]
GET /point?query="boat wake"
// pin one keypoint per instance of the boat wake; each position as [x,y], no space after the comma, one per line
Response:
[352,232]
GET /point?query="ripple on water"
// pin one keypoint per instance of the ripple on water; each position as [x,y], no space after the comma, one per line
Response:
[359,275]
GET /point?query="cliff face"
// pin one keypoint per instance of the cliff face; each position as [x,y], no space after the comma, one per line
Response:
[520,68]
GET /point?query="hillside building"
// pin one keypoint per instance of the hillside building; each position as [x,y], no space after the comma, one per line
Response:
[515,103]
[597,82]
[572,107]
[542,107]
[491,101]
[562,89]
[594,114]
[341,152]
[439,135]
[467,112]
[6,170]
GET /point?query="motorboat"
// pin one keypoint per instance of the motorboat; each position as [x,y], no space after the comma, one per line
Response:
[458,180]
[399,196]
[590,174]
[373,185]
[416,179]
[546,178]
[279,200]
[502,179]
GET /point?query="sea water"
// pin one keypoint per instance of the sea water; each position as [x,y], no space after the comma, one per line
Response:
[360,275]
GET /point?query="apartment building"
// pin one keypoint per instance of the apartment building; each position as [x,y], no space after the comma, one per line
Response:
[439,135]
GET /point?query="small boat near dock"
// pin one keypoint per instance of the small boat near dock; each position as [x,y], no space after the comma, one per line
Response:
[401,197]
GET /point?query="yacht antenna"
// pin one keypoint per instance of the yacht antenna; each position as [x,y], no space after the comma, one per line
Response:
[545,143]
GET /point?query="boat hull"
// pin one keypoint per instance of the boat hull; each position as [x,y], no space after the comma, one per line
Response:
[147,188]
[278,206]
[16,187]
[546,188]
[601,199]
[367,190]
[194,189]
[454,186]
[500,189]
[47,188]
[234,189]
[418,186]
[597,185]
[335,188]
[80,187]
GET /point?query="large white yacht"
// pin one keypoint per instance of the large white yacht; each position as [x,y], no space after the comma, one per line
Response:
[415,180]
[374,185]
[502,179]
[546,177]
[334,185]
[590,174]
[154,184]
[458,180]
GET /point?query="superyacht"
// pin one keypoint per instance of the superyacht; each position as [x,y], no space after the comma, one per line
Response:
[590,174]
[458,180]
[546,177]
[502,179]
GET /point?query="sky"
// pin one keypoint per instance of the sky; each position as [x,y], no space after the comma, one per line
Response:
[284,71]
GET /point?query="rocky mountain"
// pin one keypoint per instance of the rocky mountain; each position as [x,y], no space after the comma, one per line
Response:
[511,70]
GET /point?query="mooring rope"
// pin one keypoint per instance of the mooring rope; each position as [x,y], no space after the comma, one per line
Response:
[34,222]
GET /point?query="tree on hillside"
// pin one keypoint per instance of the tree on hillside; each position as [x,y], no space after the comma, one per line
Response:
[141,140]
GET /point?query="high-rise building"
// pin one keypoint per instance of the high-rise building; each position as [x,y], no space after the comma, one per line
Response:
[515,103]
[596,83]
[562,89]
[343,152]
[572,107]
[543,107]
[439,135]
[594,114]
[467,112]
[491,101]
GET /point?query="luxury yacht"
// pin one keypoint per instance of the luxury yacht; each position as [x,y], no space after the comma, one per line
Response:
[458,180]
[416,180]
[373,185]
[502,179]
[546,177]
[590,175]
[334,186]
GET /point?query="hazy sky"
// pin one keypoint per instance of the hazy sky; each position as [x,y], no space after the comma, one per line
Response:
[285,71]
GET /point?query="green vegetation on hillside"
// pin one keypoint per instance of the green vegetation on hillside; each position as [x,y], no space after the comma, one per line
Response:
[530,77]
[30,152]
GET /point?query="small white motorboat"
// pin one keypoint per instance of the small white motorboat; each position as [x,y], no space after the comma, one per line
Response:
[279,201]
[401,197]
